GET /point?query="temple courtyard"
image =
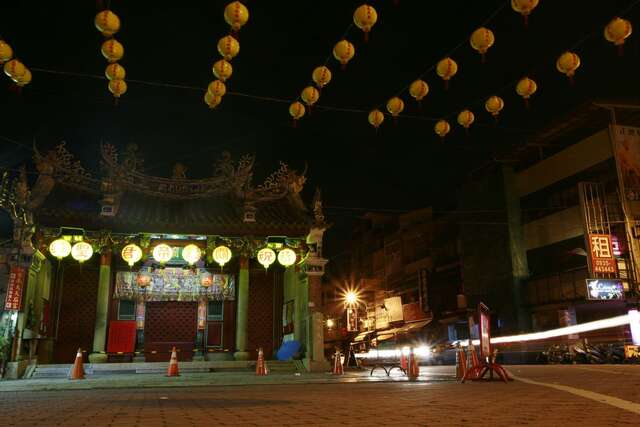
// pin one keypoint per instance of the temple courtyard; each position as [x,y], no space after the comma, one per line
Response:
[549,395]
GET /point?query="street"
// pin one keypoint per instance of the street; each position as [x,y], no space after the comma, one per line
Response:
[585,395]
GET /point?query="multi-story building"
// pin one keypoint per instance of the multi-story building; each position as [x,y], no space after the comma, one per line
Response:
[540,223]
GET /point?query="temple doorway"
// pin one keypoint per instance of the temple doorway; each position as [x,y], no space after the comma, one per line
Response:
[169,324]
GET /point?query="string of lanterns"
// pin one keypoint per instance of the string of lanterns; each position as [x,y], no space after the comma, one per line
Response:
[364,17]
[14,68]
[481,40]
[191,253]
[108,23]
[80,251]
[236,15]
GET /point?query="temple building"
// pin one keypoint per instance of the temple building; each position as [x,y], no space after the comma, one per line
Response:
[126,265]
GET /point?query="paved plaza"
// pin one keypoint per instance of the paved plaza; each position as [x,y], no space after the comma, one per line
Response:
[582,395]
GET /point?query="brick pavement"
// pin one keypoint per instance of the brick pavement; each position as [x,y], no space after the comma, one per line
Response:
[395,403]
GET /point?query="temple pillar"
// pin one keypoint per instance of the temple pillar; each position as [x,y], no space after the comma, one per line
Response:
[98,354]
[242,316]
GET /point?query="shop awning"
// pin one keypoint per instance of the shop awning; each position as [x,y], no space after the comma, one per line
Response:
[401,330]
[361,336]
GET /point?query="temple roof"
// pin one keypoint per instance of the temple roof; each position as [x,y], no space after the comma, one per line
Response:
[126,200]
[66,206]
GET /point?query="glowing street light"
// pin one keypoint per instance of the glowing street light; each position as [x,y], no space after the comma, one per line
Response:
[330,323]
[351,297]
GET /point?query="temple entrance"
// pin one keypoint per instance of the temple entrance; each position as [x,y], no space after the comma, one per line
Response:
[168,324]
[76,294]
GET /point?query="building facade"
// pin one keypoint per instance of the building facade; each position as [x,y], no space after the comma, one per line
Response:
[538,227]
[115,299]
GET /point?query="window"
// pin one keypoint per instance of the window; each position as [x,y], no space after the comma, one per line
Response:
[126,310]
[215,310]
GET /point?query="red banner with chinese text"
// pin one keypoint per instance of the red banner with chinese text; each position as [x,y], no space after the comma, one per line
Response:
[601,250]
[15,288]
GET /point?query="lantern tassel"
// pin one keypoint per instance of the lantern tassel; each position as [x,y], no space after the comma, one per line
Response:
[526,103]
[446,85]
[343,66]
[620,50]
[483,57]
[294,124]
[526,21]
[366,36]
[571,81]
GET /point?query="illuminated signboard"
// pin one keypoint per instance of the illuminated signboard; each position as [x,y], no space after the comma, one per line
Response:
[605,289]
[602,260]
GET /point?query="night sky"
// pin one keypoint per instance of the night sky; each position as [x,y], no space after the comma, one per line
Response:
[401,166]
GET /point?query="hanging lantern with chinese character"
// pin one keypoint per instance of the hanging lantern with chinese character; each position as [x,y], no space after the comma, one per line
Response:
[117,88]
[222,255]
[24,80]
[14,69]
[617,30]
[343,51]
[266,257]
[365,17]
[287,257]
[376,118]
[446,69]
[60,248]
[228,47]
[6,53]
[296,110]
[567,64]
[81,251]
[465,118]
[217,88]
[191,253]
[131,254]
[236,15]
[525,88]
[310,95]
[442,128]
[115,71]
[419,89]
[321,76]
[112,50]
[206,279]
[212,100]
[481,40]
[494,104]
[524,8]
[107,23]
[162,253]
[222,70]
[395,106]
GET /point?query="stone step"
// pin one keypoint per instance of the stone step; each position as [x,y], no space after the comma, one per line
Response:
[106,369]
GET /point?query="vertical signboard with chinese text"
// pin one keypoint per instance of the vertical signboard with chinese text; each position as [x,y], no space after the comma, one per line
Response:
[485,331]
[352,319]
[15,288]
[601,252]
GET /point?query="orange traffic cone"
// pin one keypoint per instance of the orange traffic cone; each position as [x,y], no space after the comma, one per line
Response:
[173,371]
[338,369]
[261,366]
[403,362]
[414,370]
[461,364]
[77,370]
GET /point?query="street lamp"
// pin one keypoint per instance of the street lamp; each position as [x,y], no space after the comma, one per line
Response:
[330,323]
[351,297]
